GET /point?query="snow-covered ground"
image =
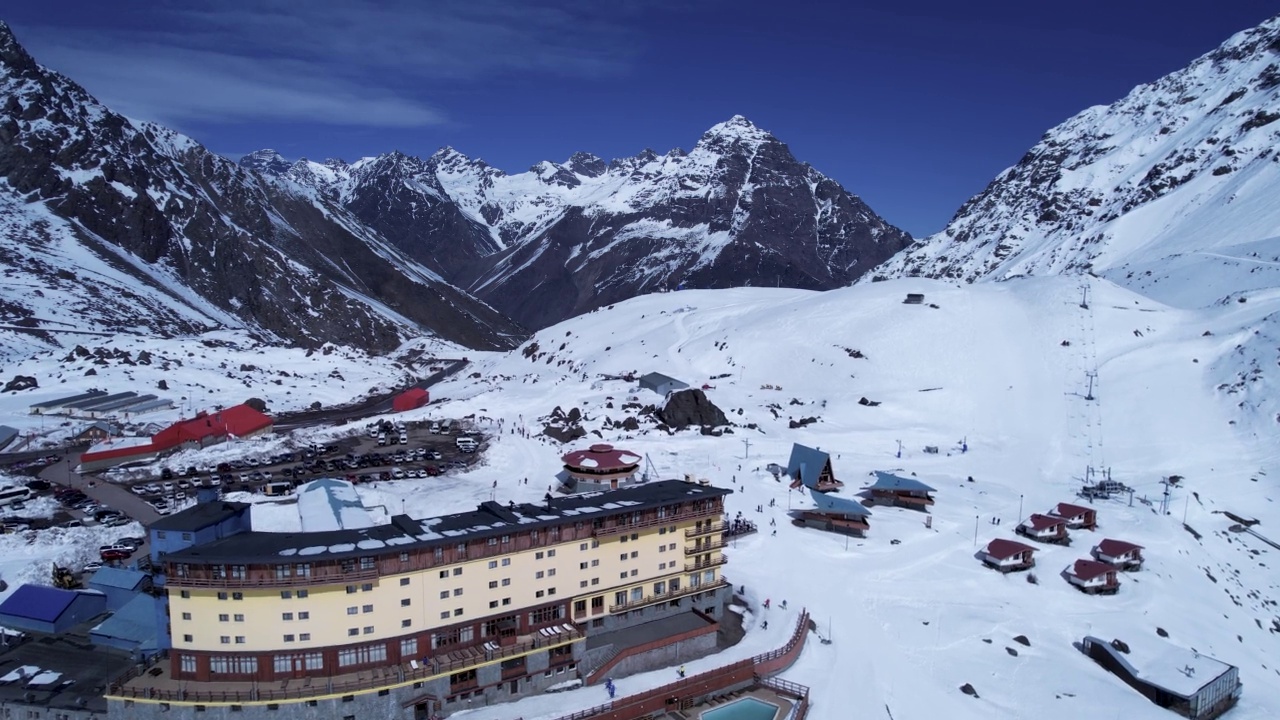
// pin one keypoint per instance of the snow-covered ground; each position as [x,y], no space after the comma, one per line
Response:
[987,366]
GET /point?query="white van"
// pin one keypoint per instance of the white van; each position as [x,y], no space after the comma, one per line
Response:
[466,444]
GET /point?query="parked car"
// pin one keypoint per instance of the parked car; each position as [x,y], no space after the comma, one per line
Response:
[138,490]
[92,567]
[126,542]
[166,474]
[113,554]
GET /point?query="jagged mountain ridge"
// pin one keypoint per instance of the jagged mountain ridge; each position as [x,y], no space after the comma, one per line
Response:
[566,238]
[1183,166]
[133,227]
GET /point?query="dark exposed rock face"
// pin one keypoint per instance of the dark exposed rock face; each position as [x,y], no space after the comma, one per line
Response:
[686,408]
[188,241]
[21,382]
[563,239]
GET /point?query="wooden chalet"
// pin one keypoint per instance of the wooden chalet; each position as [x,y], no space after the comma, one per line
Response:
[1078,517]
[811,468]
[1093,577]
[1120,554]
[898,491]
[1045,529]
[1182,680]
[834,514]
[1008,555]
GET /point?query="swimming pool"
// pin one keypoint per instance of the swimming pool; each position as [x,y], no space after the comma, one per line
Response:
[744,709]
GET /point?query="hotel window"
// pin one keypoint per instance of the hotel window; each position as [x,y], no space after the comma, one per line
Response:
[302,594]
[223,617]
[404,602]
[366,609]
[238,617]
[444,614]
[551,553]
[493,564]
[405,623]
[218,571]
[580,607]
[348,565]
[186,595]
[159,534]
[404,557]
[286,594]
[461,549]
[186,536]
[662,512]
[623,575]
[237,596]
[315,661]
[288,638]
[582,583]
[506,601]
[622,556]
[238,572]
[457,571]
[635,554]
[539,555]
[595,581]
[182,569]
[672,547]
[457,612]
[353,610]
[637,594]
[622,539]
[709,576]
[551,572]
[239,639]
[506,582]
[304,615]
[366,563]
[227,664]
[444,574]
[186,616]
[634,573]
[675,584]
[538,575]
[538,594]
[302,570]
[409,648]
[595,563]
[438,554]
[282,663]
[493,603]
[491,542]
[493,584]
[582,547]
[534,535]
[582,565]
[457,592]
[188,663]
[404,581]
[595,544]
[506,539]
[221,595]
[304,637]
[555,534]
[368,629]
[635,536]
[351,589]
[286,616]
[353,631]
[662,530]
[362,655]
[660,587]
[551,591]
[506,562]
[662,548]
[673,529]
[225,639]
[367,587]
[444,594]
[186,638]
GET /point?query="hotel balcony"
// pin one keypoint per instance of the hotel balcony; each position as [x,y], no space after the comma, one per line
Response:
[668,595]
[701,565]
[324,577]
[706,529]
[705,547]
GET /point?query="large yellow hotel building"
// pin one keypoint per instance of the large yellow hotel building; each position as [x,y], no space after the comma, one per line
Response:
[487,604]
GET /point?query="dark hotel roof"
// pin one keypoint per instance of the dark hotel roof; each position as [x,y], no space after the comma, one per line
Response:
[404,532]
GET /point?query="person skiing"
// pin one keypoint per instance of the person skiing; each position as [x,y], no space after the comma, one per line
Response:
[680,672]
[766,603]
[784,605]
[764,625]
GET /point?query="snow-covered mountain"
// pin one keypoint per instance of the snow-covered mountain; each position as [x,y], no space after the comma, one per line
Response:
[565,238]
[112,225]
[1181,170]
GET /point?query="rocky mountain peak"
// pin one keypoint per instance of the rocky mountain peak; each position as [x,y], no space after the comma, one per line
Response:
[584,163]
[735,130]
[266,161]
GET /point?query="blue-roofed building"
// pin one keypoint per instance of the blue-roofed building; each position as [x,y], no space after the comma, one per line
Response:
[330,504]
[39,608]
[134,627]
[199,524]
[834,514]
[811,468]
[890,489]
[119,585]
[661,384]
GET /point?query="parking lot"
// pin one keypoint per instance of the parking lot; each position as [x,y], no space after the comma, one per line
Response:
[376,454]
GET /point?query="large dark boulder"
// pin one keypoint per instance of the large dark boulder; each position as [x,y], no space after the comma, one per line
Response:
[687,408]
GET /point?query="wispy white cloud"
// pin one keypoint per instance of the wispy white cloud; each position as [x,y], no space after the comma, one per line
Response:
[373,64]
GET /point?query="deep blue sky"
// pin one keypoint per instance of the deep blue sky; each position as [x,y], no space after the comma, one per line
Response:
[914,105]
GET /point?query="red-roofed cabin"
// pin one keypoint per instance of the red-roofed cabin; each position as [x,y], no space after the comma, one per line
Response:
[1045,529]
[600,467]
[237,421]
[1120,554]
[1093,577]
[1078,517]
[410,399]
[1008,555]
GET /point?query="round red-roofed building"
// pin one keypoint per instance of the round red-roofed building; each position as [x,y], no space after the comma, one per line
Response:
[600,467]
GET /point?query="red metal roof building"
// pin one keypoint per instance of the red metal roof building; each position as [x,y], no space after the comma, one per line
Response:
[239,421]
[1118,553]
[1045,528]
[1078,517]
[410,399]
[600,467]
[1008,555]
[1093,577]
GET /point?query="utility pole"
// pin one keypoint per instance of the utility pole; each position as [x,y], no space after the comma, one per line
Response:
[1019,508]
[899,448]
[1185,506]
[1084,296]
[747,451]
[975,531]
[1091,374]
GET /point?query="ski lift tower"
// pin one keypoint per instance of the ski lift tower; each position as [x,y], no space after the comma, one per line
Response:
[648,473]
